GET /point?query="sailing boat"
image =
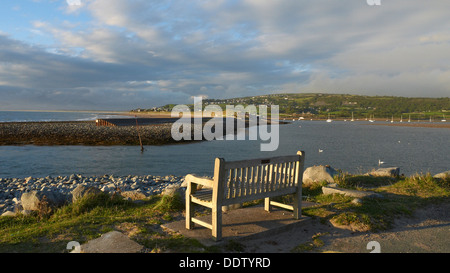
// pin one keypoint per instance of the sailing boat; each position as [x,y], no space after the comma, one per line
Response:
[372,119]
[401,119]
[329,120]
[392,120]
[443,119]
[409,119]
[352,117]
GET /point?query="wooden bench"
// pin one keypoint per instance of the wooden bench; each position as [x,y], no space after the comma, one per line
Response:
[241,181]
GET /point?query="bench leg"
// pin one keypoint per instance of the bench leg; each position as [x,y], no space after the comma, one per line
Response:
[297,204]
[217,223]
[267,204]
[189,212]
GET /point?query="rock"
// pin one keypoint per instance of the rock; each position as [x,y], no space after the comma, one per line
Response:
[32,200]
[29,179]
[9,213]
[175,188]
[351,193]
[133,195]
[73,177]
[111,242]
[392,171]
[81,191]
[442,175]
[317,174]
[26,212]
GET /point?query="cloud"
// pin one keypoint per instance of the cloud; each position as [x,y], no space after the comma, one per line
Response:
[168,51]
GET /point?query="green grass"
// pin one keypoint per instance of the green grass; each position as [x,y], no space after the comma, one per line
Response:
[401,196]
[89,218]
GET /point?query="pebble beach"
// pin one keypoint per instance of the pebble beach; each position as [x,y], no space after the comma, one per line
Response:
[132,187]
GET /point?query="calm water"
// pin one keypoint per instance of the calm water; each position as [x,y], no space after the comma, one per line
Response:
[355,147]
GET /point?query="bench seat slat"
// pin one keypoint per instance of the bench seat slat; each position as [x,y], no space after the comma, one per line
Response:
[257,196]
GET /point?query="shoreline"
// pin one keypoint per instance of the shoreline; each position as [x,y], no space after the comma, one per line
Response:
[416,124]
[130,186]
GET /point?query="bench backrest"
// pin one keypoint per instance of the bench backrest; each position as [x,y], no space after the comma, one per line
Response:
[246,180]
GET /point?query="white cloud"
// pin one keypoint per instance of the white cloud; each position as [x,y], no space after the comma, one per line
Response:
[236,48]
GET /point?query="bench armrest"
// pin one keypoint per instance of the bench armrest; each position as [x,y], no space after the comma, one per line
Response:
[204,181]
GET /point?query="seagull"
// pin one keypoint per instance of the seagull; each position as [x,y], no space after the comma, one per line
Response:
[380,162]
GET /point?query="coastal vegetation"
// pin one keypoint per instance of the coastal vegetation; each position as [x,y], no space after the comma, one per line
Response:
[320,105]
[50,230]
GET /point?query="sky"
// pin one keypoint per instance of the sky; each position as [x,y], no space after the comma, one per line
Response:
[128,54]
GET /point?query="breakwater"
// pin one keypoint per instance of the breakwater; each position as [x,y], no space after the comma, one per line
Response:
[154,132]
[82,133]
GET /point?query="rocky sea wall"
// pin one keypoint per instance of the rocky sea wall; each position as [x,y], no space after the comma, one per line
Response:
[82,133]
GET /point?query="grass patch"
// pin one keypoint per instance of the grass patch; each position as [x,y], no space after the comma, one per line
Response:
[349,181]
[312,245]
[401,196]
[92,216]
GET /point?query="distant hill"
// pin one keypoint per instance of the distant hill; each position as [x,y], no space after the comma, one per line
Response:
[339,105]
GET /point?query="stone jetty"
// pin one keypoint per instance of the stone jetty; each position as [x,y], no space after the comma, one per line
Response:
[15,193]
[82,133]
[155,132]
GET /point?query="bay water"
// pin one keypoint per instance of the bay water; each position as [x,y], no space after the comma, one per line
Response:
[355,147]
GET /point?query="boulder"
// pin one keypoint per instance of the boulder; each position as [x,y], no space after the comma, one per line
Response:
[350,193]
[111,242]
[442,175]
[133,195]
[175,188]
[317,174]
[9,213]
[32,200]
[81,191]
[392,171]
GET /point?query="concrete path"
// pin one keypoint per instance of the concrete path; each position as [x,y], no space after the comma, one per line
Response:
[243,224]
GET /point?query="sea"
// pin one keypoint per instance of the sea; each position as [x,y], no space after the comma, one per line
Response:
[354,147]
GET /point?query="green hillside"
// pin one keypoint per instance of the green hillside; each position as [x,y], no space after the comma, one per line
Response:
[342,105]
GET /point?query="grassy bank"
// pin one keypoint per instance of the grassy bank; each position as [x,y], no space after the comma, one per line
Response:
[400,197]
[50,231]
